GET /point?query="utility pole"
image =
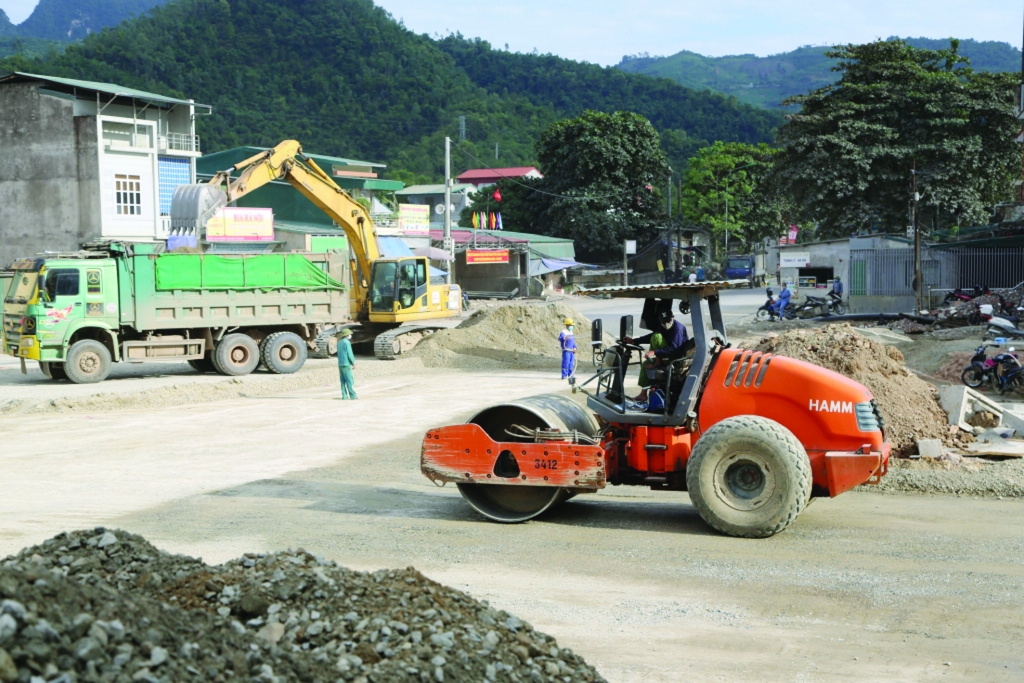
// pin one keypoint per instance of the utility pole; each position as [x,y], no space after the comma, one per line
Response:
[462,129]
[625,263]
[495,150]
[915,197]
[448,244]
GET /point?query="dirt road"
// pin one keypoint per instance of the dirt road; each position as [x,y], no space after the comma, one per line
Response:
[863,588]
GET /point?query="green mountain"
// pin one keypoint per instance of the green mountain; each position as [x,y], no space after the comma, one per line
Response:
[68,20]
[767,81]
[345,78]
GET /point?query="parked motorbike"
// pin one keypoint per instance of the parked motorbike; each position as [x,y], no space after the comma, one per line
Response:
[998,372]
[998,325]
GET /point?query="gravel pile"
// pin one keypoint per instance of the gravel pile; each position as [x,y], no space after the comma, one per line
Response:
[908,404]
[106,605]
[967,477]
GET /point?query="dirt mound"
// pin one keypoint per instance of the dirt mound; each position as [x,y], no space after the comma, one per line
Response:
[107,605]
[909,405]
[516,335]
[953,368]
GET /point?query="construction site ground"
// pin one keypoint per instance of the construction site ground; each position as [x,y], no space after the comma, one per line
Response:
[870,586]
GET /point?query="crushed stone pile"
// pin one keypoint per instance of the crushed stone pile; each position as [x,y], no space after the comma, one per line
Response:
[106,605]
[516,335]
[909,405]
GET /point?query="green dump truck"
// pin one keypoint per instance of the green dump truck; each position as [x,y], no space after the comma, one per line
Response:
[77,313]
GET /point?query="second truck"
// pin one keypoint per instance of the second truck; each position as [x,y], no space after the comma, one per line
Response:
[77,313]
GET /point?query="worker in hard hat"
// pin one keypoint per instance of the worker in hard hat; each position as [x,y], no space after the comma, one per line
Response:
[346,361]
[567,340]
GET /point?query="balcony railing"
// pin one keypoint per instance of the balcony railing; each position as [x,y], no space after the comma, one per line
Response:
[179,142]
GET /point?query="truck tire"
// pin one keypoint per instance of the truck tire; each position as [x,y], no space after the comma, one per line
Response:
[53,370]
[749,476]
[284,353]
[87,362]
[204,364]
[236,354]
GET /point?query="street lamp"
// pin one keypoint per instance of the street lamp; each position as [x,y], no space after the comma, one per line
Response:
[738,168]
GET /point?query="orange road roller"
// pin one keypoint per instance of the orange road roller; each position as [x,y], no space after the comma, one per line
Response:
[750,436]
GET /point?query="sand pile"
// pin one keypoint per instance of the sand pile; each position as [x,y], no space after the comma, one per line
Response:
[516,335]
[909,405]
[104,605]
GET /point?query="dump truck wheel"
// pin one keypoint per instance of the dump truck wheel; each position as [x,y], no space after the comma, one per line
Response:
[204,364]
[88,362]
[236,354]
[284,353]
[749,476]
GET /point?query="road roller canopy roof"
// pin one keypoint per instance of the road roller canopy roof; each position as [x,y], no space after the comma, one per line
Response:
[675,290]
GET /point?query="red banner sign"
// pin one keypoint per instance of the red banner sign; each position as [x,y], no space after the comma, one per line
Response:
[486,256]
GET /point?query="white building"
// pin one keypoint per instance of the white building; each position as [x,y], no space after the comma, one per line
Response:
[87,161]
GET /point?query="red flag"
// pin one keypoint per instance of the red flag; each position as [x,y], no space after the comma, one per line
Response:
[497,195]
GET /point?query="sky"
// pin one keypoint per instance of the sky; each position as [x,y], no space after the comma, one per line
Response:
[602,31]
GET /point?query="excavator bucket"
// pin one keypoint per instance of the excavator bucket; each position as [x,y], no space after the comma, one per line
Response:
[193,205]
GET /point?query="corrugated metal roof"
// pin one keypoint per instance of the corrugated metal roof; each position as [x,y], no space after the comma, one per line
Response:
[94,87]
[484,173]
[674,290]
[217,161]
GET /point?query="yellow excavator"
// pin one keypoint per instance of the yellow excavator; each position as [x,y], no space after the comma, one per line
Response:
[387,292]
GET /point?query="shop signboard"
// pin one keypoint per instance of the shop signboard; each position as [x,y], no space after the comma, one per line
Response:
[794,259]
[240,224]
[481,256]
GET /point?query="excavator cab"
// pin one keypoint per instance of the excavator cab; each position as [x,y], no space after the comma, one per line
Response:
[399,286]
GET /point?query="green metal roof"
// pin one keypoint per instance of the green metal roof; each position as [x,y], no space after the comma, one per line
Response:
[209,164]
[433,189]
[94,87]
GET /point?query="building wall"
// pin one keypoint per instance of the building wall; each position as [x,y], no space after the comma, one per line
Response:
[39,190]
[90,208]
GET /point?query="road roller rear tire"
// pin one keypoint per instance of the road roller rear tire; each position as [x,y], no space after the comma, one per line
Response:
[512,503]
[749,476]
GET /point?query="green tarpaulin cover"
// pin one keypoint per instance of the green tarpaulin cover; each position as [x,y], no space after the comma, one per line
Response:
[265,271]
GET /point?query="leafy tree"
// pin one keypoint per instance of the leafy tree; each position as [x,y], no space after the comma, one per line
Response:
[739,174]
[600,186]
[848,154]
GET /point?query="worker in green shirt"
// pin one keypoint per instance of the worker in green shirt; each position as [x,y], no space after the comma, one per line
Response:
[346,361]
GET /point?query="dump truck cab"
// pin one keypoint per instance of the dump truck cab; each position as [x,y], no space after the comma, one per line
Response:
[52,302]
[751,436]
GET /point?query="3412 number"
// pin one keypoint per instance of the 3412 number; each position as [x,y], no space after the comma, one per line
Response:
[545,464]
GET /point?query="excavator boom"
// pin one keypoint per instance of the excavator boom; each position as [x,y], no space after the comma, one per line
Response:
[287,162]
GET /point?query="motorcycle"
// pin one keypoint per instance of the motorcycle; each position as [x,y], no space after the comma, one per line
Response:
[997,324]
[768,312]
[835,304]
[997,371]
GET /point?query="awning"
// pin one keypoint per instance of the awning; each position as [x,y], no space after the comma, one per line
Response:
[543,266]
[394,247]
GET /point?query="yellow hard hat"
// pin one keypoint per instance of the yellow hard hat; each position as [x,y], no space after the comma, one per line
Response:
[568,321]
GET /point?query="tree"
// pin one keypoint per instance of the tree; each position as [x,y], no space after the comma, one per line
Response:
[602,174]
[740,174]
[848,153]
[601,179]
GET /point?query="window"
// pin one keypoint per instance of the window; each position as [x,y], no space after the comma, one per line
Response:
[129,195]
[61,282]
[382,295]
[174,171]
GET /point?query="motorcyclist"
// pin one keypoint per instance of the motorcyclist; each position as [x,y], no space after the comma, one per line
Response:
[784,296]
[837,289]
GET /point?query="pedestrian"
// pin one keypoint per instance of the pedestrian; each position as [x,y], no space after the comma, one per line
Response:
[567,340]
[778,273]
[700,273]
[346,361]
[693,277]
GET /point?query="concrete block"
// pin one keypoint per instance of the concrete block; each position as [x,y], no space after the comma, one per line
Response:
[1013,421]
[930,448]
[961,402]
